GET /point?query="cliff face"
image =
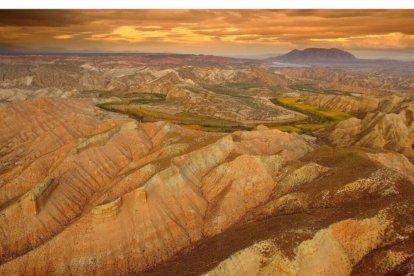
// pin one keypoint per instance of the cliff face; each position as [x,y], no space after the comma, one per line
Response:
[115,189]
[87,192]
[344,244]
[390,128]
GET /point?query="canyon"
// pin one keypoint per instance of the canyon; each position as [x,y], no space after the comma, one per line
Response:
[164,164]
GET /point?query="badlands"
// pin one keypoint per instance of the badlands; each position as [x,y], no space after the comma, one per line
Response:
[162,164]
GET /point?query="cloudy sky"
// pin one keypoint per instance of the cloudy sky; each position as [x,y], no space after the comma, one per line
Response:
[249,33]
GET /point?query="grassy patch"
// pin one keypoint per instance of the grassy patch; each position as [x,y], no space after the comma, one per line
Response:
[318,117]
[188,119]
[143,98]
[298,105]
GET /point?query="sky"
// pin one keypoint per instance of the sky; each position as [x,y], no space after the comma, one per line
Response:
[239,33]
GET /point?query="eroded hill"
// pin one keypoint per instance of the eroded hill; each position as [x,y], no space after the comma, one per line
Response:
[132,197]
[163,164]
[390,127]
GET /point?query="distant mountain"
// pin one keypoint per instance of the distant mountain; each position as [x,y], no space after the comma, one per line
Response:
[315,55]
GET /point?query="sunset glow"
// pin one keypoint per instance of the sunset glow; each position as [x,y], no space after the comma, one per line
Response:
[370,33]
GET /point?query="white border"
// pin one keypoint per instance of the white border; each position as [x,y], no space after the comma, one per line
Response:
[206,4]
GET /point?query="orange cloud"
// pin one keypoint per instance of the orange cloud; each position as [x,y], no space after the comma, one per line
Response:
[379,41]
[134,34]
[65,36]
[230,32]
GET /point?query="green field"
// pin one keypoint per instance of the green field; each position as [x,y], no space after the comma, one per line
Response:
[318,117]
[189,119]
[133,107]
[142,98]
[139,107]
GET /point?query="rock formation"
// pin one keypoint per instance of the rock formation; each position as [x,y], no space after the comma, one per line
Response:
[84,191]
[169,186]
[332,251]
[393,130]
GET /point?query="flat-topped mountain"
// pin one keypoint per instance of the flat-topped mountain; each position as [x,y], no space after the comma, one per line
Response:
[316,55]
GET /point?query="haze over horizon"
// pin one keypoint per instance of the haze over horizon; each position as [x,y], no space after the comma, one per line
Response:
[237,33]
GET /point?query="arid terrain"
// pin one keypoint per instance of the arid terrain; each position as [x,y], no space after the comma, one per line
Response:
[167,164]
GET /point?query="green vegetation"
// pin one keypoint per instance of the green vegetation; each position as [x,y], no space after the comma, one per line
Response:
[312,89]
[142,98]
[318,117]
[297,104]
[183,118]
[132,107]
